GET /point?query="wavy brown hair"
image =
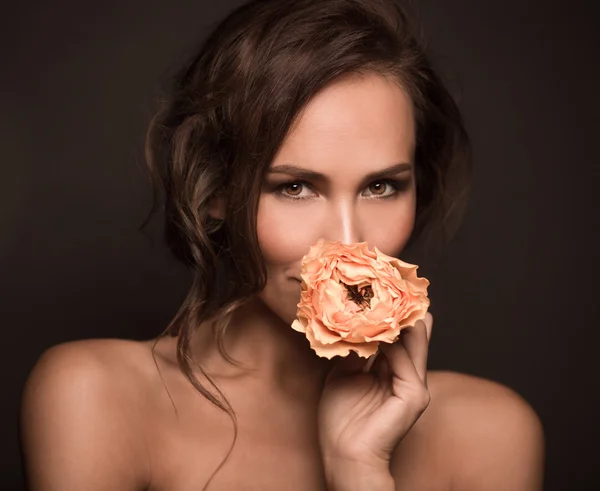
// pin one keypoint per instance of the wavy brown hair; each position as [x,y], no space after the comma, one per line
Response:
[226,112]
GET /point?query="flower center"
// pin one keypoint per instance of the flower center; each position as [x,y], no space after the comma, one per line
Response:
[360,296]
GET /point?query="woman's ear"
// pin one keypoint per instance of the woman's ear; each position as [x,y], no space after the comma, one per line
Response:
[216,206]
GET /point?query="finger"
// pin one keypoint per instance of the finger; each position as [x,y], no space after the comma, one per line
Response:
[381,368]
[400,363]
[429,324]
[348,365]
[370,362]
[417,347]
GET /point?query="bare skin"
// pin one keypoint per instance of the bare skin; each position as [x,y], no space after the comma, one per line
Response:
[475,433]
[97,416]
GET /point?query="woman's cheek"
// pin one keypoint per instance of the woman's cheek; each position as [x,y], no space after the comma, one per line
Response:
[284,231]
[391,229]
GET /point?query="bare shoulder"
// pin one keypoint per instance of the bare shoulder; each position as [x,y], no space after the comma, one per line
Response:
[478,400]
[105,367]
[80,401]
[493,436]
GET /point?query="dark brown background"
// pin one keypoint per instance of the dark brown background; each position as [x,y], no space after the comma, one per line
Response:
[514,297]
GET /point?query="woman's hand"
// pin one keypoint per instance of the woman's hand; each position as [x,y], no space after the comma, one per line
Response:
[363,416]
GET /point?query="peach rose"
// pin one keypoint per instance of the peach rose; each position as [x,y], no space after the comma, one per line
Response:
[353,298]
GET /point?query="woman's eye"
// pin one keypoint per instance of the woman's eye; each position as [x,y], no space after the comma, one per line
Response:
[291,190]
[377,189]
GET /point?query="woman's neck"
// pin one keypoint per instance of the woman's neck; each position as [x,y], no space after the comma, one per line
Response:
[271,352]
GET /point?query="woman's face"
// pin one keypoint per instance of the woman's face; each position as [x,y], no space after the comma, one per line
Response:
[322,182]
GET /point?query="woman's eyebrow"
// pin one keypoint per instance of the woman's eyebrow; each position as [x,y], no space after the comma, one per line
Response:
[301,173]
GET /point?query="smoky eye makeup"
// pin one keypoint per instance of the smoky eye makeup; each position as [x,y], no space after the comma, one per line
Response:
[281,189]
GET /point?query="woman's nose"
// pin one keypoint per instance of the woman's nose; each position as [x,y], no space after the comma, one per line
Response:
[342,224]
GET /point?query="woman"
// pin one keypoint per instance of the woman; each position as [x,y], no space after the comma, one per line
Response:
[297,120]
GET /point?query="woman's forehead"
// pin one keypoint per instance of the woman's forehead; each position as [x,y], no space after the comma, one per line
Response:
[367,119]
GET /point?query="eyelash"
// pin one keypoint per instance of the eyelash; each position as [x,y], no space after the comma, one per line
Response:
[397,185]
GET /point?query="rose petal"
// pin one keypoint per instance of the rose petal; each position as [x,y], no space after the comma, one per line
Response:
[333,322]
